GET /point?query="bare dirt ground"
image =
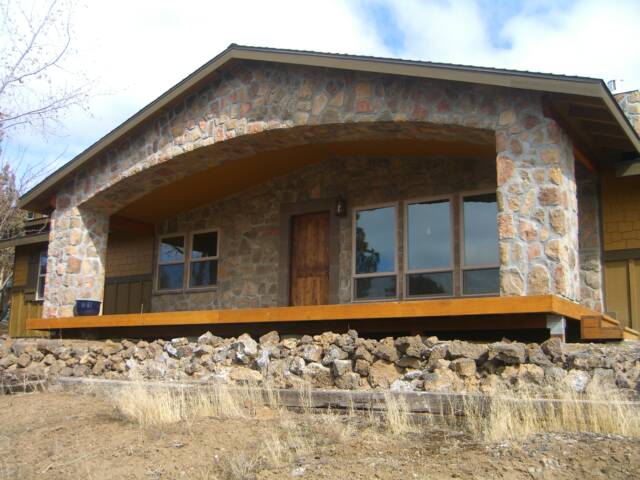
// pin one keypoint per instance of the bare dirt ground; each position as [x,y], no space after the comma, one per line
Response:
[62,435]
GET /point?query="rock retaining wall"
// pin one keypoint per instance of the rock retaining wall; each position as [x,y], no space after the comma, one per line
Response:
[332,360]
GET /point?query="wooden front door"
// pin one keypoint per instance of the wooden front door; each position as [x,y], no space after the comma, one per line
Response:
[310,259]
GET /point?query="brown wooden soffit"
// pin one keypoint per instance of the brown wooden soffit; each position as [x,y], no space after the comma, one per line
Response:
[595,134]
[118,222]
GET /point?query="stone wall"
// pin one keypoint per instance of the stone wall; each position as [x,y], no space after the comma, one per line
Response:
[630,104]
[249,222]
[343,361]
[591,263]
[537,218]
[252,105]
[76,259]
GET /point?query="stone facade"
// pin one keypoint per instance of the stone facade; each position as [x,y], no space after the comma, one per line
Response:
[253,105]
[249,222]
[591,283]
[537,220]
[630,104]
[77,258]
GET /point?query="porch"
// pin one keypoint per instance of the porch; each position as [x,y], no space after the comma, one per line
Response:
[387,235]
[543,315]
[392,230]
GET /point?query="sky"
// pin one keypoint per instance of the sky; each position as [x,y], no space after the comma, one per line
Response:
[134,50]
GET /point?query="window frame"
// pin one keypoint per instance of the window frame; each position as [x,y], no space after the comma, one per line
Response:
[41,278]
[190,260]
[355,276]
[186,273]
[451,267]
[486,266]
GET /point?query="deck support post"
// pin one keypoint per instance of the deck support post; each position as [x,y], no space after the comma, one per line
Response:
[557,326]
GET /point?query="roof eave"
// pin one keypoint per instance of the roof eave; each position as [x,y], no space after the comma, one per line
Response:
[510,79]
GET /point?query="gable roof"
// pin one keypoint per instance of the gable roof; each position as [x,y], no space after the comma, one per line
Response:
[627,138]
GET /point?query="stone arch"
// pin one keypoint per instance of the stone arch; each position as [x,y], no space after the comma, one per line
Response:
[145,181]
[252,98]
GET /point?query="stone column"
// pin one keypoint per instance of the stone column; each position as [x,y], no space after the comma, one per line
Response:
[537,205]
[590,254]
[76,260]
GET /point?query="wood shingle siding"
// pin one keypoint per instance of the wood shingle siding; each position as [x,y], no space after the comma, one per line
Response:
[24,305]
[621,211]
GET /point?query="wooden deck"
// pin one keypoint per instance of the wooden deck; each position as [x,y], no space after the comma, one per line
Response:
[426,309]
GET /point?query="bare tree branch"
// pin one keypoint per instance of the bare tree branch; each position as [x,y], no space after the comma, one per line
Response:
[35,84]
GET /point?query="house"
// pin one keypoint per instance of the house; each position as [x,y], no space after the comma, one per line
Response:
[306,191]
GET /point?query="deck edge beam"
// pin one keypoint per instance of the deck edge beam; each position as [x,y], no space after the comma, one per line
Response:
[457,307]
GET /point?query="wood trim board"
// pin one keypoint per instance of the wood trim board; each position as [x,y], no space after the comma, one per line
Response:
[452,307]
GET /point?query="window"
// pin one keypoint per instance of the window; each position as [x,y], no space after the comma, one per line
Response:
[203,270]
[375,254]
[429,256]
[199,264]
[480,261]
[42,274]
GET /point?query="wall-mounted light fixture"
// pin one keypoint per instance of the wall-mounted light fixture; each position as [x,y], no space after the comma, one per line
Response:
[341,207]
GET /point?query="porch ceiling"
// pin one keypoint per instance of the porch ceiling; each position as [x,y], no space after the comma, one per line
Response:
[234,176]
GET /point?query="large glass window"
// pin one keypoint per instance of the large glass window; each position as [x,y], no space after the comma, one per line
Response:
[480,263]
[375,253]
[429,249]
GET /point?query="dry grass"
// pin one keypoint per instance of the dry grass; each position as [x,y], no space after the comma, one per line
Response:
[156,406]
[521,415]
[276,451]
[242,466]
[397,417]
[287,438]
